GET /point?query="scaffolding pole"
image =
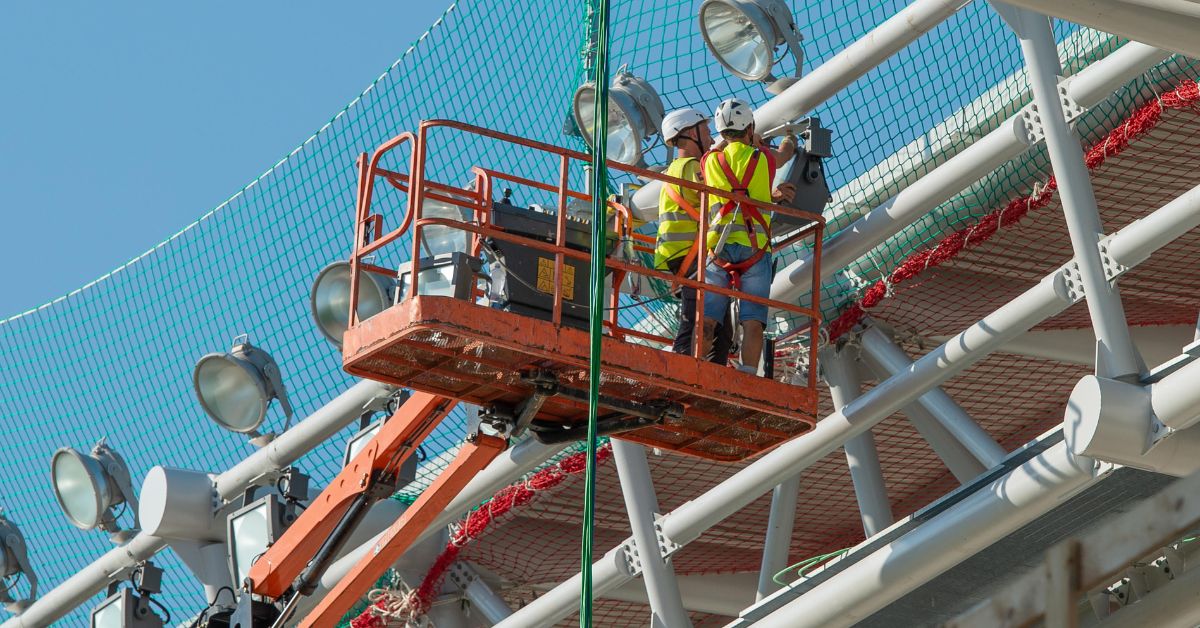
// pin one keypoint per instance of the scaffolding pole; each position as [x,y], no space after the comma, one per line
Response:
[962,465]
[893,359]
[1116,356]
[637,487]
[781,523]
[1047,298]
[841,374]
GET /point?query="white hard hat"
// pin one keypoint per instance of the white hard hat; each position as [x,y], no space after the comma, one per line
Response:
[733,114]
[680,120]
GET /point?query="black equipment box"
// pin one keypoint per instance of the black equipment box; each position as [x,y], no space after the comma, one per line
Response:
[530,291]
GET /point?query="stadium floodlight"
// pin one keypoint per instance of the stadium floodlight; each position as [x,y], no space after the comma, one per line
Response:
[252,529]
[89,486]
[236,387]
[360,440]
[635,112]
[14,563]
[444,239]
[128,607]
[257,525]
[744,34]
[330,298]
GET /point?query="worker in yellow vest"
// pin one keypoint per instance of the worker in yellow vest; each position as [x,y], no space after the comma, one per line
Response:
[739,236]
[686,131]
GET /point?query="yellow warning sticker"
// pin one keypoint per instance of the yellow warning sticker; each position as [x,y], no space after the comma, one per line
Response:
[545,279]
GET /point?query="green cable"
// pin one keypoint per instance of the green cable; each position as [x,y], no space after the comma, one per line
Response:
[806,564]
[599,219]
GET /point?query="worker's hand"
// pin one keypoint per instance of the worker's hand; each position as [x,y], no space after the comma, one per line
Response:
[787,148]
[784,193]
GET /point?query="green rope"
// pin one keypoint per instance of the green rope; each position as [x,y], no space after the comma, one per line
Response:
[599,215]
[806,564]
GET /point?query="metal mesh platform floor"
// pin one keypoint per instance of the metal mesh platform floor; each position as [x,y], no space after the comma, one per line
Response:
[476,354]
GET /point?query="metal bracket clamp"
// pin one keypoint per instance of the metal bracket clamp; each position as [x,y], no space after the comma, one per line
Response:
[1029,120]
[631,560]
[1073,279]
[461,575]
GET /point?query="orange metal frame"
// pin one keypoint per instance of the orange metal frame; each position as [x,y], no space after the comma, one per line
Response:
[419,342]
[275,571]
[370,238]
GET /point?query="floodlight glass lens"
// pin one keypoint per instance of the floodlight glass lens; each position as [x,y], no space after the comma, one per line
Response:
[331,300]
[249,540]
[360,441]
[624,143]
[111,615]
[736,41]
[438,281]
[231,394]
[76,490]
[439,239]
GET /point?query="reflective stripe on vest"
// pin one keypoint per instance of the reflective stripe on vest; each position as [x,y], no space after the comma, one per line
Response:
[738,158]
[678,218]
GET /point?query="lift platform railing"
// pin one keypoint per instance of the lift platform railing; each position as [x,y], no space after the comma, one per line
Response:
[370,237]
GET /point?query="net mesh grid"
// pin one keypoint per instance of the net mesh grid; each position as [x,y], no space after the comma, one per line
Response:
[114,358]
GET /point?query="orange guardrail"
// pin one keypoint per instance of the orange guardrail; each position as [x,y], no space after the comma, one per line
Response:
[370,237]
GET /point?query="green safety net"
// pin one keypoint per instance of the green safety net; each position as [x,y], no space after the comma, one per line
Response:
[114,358]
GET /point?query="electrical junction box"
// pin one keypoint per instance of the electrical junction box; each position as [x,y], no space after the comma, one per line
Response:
[807,173]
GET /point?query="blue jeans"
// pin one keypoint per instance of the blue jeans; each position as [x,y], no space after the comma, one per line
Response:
[755,281]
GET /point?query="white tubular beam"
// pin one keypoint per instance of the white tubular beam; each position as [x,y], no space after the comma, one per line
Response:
[1116,357]
[986,516]
[302,437]
[515,462]
[283,451]
[1157,343]
[1087,88]
[1045,299]
[92,579]
[854,61]
[781,523]
[1168,24]
[964,466]
[641,503]
[718,594]
[558,603]
[1176,399]
[483,599]
[836,74]
[949,414]
[841,373]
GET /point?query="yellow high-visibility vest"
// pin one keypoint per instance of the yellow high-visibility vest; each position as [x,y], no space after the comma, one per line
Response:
[738,156]
[677,225]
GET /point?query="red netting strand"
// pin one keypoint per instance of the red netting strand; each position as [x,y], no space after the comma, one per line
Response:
[390,608]
[1140,123]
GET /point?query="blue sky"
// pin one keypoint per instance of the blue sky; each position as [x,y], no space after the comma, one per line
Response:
[121,123]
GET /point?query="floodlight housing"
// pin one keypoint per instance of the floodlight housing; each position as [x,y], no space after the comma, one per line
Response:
[447,275]
[125,609]
[360,440]
[443,239]
[743,35]
[408,469]
[88,487]
[329,299]
[236,387]
[251,530]
[14,563]
[635,112]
